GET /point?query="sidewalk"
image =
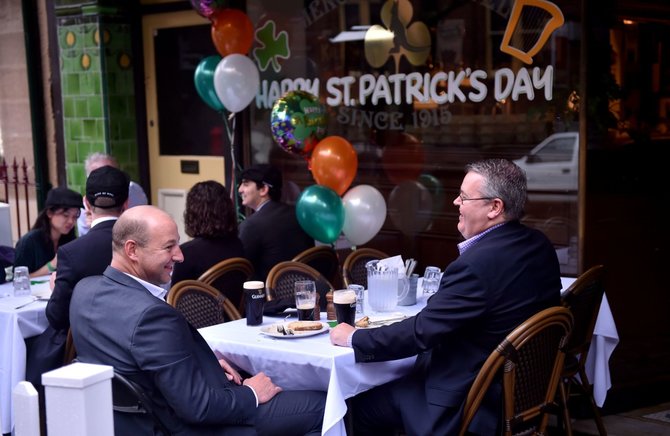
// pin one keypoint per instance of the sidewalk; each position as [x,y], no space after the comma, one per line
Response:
[649,421]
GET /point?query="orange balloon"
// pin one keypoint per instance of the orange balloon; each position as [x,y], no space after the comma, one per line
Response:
[334,163]
[232,32]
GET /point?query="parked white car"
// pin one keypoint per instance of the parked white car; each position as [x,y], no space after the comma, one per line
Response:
[553,165]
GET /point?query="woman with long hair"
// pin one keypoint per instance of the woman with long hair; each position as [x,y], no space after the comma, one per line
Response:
[54,226]
[210,219]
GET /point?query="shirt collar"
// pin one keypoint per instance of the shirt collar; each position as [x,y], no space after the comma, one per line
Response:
[156,291]
[102,219]
[468,243]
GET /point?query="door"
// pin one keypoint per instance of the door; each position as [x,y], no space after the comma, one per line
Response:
[187,140]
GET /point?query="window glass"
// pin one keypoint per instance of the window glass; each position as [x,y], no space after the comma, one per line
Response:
[419,89]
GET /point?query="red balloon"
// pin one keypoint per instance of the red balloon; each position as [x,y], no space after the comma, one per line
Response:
[403,157]
[334,163]
[232,32]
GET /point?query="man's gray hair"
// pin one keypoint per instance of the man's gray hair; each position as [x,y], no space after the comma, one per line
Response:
[505,180]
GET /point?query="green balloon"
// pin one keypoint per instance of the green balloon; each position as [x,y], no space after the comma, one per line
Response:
[320,213]
[204,82]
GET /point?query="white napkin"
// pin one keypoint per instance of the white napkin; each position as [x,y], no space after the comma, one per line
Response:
[12,303]
[394,262]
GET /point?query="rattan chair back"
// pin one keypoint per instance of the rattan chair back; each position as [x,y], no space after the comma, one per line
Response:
[201,304]
[322,258]
[529,363]
[281,279]
[583,298]
[353,268]
[228,276]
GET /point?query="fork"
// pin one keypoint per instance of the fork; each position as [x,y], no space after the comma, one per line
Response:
[25,304]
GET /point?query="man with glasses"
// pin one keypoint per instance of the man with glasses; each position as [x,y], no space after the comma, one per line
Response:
[272,233]
[506,272]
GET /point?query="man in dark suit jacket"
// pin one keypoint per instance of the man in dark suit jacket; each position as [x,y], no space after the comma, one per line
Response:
[505,273]
[272,233]
[121,319]
[106,198]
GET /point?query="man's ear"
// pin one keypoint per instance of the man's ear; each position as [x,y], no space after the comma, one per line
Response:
[497,208]
[264,191]
[130,248]
[87,205]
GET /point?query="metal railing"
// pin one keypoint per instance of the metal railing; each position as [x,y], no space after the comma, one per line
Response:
[14,178]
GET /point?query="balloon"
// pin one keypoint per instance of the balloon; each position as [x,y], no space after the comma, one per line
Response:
[364,213]
[403,157]
[232,32]
[320,213]
[206,7]
[410,207]
[436,190]
[298,122]
[204,82]
[334,163]
[236,81]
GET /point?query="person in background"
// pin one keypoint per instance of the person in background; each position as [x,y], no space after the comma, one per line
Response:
[210,219]
[506,272]
[272,233]
[136,195]
[106,198]
[121,319]
[54,226]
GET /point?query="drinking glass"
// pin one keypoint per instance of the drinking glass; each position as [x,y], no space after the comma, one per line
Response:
[359,298]
[21,281]
[345,306]
[431,279]
[305,299]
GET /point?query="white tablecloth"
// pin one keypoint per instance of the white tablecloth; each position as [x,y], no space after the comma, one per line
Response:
[306,363]
[15,325]
[605,339]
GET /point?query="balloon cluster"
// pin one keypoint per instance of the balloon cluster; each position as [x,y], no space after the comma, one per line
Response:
[229,81]
[298,125]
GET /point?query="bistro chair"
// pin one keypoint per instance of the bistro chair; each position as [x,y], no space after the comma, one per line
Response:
[228,276]
[528,363]
[281,280]
[130,400]
[353,269]
[201,304]
[322,258]
[70,352]
[583,299]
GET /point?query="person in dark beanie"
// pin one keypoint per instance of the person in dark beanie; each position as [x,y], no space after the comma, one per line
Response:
[54,226]
[272,233]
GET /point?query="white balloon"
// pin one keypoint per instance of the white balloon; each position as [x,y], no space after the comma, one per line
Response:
[364,213]
[236,81]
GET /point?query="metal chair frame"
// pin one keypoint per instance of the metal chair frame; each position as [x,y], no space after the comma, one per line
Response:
[129,397]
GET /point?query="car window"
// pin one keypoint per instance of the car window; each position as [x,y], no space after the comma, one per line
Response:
[558,150]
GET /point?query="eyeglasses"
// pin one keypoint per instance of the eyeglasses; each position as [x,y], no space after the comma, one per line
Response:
[464,199]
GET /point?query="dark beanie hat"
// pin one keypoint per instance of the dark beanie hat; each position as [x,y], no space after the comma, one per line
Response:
[107,187]
[63,197]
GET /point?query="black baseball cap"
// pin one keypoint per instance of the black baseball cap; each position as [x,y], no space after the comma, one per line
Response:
[107,187]
[265,174]
[63,197]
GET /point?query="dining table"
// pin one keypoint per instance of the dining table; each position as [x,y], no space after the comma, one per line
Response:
[20,318]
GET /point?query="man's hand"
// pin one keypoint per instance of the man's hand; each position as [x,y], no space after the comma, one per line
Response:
[340,333]
[263,386]
[231,373]
[52,280]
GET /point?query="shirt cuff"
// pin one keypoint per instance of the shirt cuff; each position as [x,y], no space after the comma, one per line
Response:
[349,338]
[255,396]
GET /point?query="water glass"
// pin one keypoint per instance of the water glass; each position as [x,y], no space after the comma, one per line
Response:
[431,279]
[305,299]
[359,298]
[21,281]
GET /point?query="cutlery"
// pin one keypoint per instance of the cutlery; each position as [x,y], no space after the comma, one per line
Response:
[387,320]
[25,304]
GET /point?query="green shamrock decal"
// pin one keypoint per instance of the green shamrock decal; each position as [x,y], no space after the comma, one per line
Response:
[273,47]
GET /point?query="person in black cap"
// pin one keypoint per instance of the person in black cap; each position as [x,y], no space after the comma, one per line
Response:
[106,198]
[54,226]
[272,233]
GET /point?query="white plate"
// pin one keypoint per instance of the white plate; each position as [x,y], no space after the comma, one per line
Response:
[271,330]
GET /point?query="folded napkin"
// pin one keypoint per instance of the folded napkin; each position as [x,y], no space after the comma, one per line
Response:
[386,318]
[393,262]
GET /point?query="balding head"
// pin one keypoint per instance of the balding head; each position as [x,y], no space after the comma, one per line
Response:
[145,243]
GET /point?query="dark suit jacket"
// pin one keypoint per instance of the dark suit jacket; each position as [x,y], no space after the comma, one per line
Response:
[272,235]
[83,257]
[116,321]
[507,276]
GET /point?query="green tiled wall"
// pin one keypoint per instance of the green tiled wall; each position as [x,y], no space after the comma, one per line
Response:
[98,92]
